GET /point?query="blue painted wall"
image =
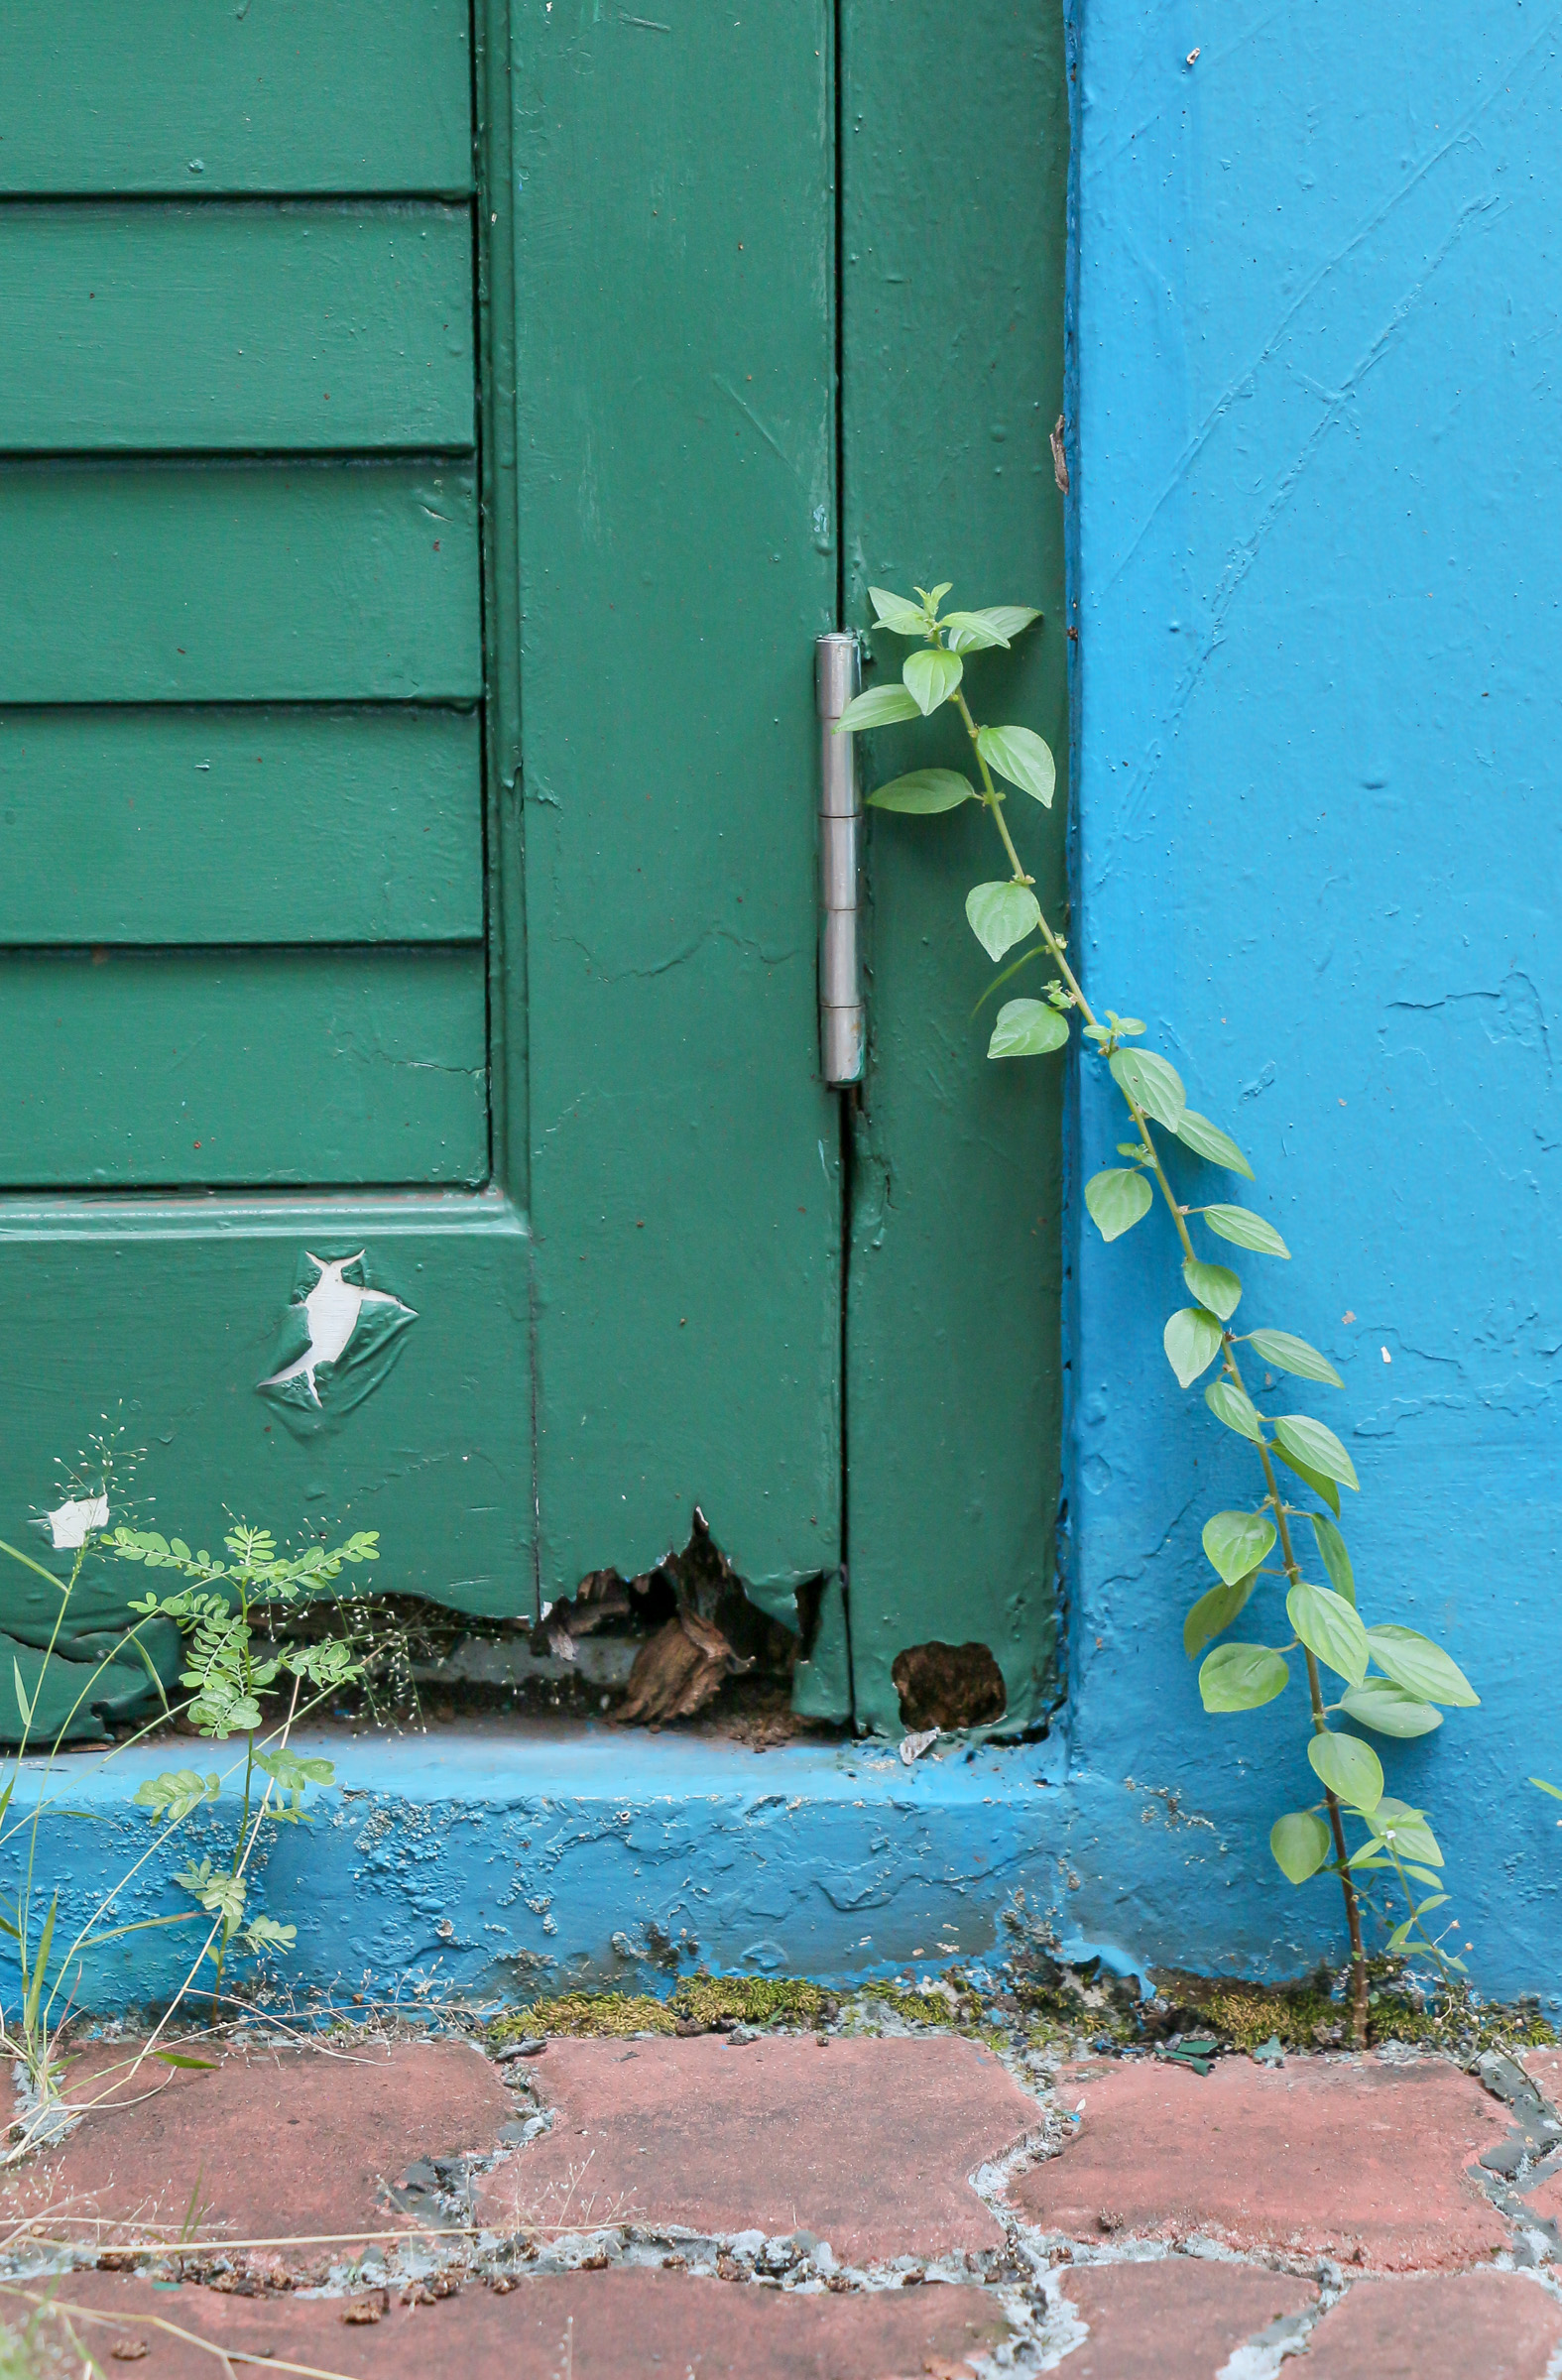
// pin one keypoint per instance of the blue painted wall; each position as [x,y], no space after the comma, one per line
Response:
[1318,562]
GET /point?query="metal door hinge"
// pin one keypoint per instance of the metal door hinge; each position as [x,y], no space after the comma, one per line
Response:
[837,675]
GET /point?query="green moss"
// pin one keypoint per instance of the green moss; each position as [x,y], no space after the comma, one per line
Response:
[916,2007]
[751,1999]
[1305,2015]
[581,2012]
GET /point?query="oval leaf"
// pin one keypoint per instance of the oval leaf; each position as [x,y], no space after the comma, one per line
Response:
[924,792]
[1191,1340]
[880,706]
[1150,1083]
[1289,1353]
[1315,1446]
[1396,1823]
[1000,915]
[1206,1139]
[1336,1561]
[1227,1404]
[1301,1842]
[1116,1201]
[1314,1479]
[971,632]
[931,677]
[1246,1230]
[1026,1029]
[1021,756]
[1236,1542]
[1350,1769]
[1214,1611]
[995,624]
[1382,1705]
[1241,1677]
[1215,1286]
[1328,1627]
[897,613]
[1421,1667]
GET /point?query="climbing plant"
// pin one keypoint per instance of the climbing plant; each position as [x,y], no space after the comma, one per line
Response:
[1391,1679]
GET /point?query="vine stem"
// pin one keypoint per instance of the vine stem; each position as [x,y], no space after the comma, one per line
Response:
[992,802]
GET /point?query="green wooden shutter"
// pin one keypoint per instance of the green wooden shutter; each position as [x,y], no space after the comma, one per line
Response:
[245,940]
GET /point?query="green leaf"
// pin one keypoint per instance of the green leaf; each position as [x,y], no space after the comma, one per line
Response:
[1421,1667]
[1301,1842]
[880,706]
[968,632]
[996,624]
[35,1989]
[1026,1029]
[1206,1139]
[1328,1627]
[264,1933]
[1214,1613]
[292,1773]
[1406,1831]
[897,613]
[176,1793]
[1241,1677]
[1000,915]
[1149,1081]
[931,677]
[22,1703]
[1019,756]
[1382,1705]
[924,793]
[1317,1446]
[1555,1791]
[1214,1285]
[204,2065]
[1422,1876]
[1336,1561]
[1292,1355]
[1244,1230]
[1236,1542]
[1192,1341]
[1349,1768]
[1229,1404]
[1314,1479]
[1115,1200]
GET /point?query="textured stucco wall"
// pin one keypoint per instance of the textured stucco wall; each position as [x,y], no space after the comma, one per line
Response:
[1317,344]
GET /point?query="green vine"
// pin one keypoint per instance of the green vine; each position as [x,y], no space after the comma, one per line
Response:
[1393,1677]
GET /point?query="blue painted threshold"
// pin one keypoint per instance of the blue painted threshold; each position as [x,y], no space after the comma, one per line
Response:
[482,1863]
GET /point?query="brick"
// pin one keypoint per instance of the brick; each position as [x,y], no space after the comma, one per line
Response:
[271,2143]
[1356,2159]
[1180,2318]
[1438,2327]
[867,2144]
[655,2325]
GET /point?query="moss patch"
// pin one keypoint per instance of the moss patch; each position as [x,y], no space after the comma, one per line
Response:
[585,2012]
[916,2007]
[1305,2015]
[751,1999]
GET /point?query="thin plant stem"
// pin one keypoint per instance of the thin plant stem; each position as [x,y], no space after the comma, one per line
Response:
[992,802]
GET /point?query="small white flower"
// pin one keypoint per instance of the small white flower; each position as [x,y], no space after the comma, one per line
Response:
[71,1522]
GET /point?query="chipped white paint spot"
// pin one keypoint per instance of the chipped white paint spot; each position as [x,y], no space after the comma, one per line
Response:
[69,1523]
[331,1309]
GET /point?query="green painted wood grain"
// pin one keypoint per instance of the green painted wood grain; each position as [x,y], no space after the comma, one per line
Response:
[675,444]
[127,1067]
[952,322]
[239,581]
[168,1312]
[211,327]
[103,95]
[241,825]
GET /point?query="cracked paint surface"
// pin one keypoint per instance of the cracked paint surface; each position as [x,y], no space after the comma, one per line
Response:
[1318,849]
